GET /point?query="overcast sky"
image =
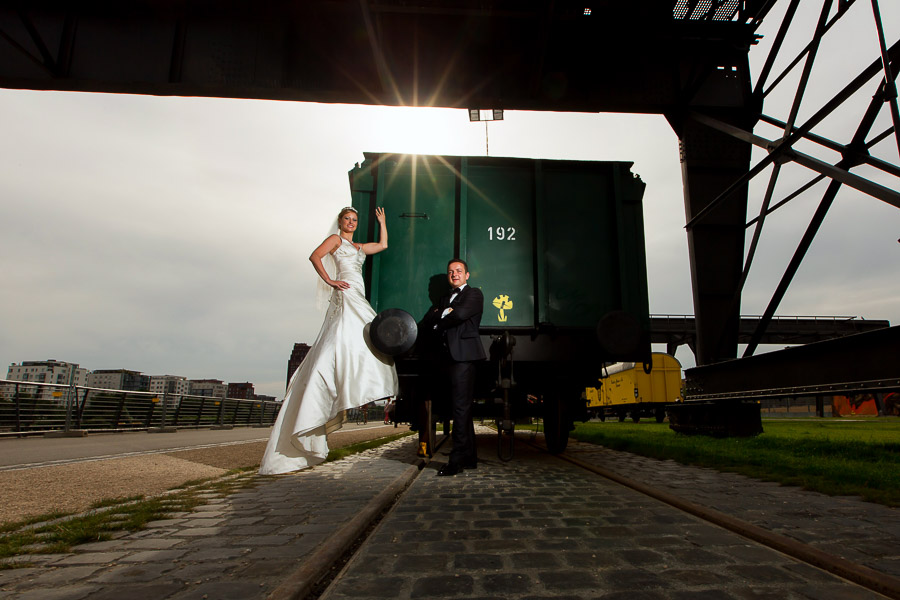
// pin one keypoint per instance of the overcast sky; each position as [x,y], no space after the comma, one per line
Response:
[171,235]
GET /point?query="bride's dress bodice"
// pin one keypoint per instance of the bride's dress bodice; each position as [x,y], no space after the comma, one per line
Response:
[349,261]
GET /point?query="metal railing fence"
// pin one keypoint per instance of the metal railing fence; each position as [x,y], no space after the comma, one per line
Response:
[28,407]
[362,414]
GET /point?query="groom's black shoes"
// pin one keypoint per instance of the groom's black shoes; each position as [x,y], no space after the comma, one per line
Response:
[449,469]
[454,468]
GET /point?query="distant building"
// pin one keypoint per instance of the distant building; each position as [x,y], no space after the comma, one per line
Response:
[297,355]
[170,384]
[44,371]
[241,391]
[119,379]
[213,388]
[264,398]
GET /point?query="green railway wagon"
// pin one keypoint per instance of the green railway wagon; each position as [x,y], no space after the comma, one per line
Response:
[557,248]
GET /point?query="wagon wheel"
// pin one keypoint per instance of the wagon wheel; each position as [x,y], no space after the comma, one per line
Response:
[556,424]
[660,415]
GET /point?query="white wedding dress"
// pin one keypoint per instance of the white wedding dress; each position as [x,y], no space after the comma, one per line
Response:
[342,370]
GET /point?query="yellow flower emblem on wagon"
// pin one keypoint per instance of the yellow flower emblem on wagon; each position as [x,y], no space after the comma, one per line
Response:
[502,302]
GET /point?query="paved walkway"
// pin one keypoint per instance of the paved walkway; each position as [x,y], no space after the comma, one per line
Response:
[238,546]
[535,527]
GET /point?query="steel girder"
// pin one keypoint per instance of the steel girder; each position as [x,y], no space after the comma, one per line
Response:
[878,77]
[711,161]
[855,364]
[675,330]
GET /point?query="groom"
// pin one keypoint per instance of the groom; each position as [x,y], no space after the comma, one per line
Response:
[454,322]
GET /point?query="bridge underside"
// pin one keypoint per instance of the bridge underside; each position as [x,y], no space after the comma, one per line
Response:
[685,59]
[623,57]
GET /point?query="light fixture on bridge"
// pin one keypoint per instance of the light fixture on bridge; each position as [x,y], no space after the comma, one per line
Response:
[476,114]
[494,114]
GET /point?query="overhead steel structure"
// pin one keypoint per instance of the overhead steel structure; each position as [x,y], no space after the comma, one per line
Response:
[675,330]
[685,59]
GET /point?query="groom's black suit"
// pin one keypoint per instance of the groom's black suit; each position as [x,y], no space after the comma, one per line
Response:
[458,347]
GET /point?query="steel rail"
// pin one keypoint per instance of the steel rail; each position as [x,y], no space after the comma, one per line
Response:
[842,567]
[318,570]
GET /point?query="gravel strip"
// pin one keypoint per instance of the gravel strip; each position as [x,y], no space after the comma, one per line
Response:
[75,487]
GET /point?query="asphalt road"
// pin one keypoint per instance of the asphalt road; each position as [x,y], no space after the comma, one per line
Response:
[17,453]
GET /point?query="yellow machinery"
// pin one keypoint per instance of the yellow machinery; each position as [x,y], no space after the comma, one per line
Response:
[627,391]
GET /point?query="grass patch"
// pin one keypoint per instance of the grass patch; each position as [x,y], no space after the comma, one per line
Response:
[345,451]
[15,526]
[835,457]
[212,482]
[58,534]
[114,502]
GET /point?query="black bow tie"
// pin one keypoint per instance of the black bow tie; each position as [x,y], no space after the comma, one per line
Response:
[455,290]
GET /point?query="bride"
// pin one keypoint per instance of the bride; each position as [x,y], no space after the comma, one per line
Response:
[342,370]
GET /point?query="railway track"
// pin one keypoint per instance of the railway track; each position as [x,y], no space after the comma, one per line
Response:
[336,571]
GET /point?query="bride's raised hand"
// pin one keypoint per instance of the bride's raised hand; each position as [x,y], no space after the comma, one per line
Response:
[381,244]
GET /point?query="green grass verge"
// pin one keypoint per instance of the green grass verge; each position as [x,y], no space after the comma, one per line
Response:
[835,457]
[345,451]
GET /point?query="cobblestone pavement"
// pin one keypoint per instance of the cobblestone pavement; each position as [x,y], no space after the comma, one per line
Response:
[857,531]
[538,527]
[535,527]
